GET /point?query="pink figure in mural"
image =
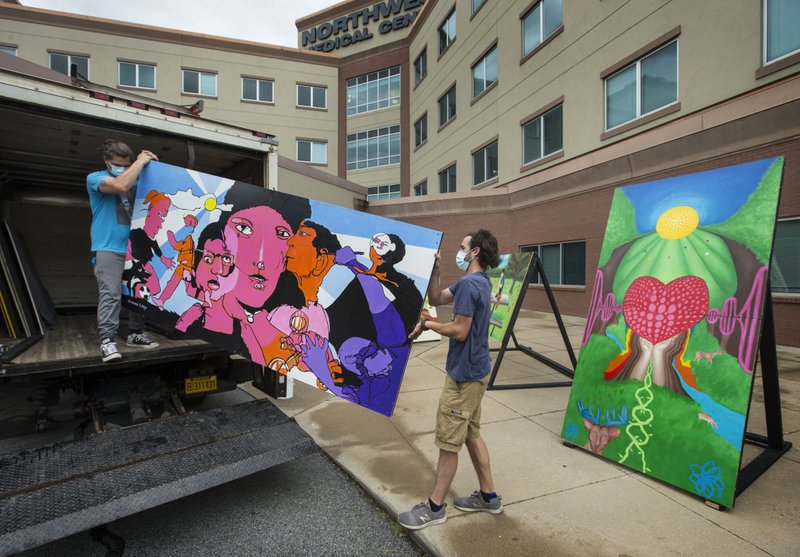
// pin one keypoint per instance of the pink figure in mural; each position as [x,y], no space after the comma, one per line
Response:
[208,281]
[141,277]
[185,258]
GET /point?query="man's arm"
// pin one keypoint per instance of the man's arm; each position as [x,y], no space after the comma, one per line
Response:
[457,329]
[126,180]
[436,295]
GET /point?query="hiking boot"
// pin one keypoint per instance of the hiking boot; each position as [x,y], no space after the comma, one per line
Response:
[140,340]
[421,516]
[109,350]
[475,503]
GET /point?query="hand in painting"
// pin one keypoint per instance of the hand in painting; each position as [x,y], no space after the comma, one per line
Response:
[314,353]
[189,316]
[345,256]
[168,263]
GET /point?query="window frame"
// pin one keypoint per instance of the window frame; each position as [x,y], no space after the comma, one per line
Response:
[423,57]
[536,278]
[258,89]
[423,119]
[375,77]
[377,133]
[779,293]
[199,73]
[311,141]
[539,115]
[483,59]
[637,62]
[475,9]
[542,39]
[6,47]
[765,40]
[495,141]
[446,172]
[153,65]
[418,187]
[439,31]
[450,89]
[69,56]
[312,86]
[391,190]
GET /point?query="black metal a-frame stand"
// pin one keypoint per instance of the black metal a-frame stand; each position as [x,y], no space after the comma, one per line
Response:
[534,267]
[773,444]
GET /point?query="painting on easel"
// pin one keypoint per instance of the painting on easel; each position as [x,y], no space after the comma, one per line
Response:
[665,373]
[508,280]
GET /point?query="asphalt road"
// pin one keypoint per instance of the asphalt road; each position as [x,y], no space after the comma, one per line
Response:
[304,507]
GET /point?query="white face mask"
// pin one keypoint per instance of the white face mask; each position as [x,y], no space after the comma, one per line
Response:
[461,260]
[116,170]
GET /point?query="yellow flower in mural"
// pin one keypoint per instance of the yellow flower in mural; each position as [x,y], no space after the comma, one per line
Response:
[677,223]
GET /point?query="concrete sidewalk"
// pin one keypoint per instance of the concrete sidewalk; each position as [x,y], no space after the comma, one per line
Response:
[557,500]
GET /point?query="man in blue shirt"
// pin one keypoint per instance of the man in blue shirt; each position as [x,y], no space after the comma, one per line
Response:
[467,366]
[111,195]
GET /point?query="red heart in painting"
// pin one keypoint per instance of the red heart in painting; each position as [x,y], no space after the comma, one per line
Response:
[657,311]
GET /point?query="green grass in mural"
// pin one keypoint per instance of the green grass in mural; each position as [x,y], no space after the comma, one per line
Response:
[511,272]
[621,228]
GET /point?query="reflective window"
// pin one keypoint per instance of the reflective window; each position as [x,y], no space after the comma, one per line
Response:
[543,135]
[421,188]
[311,96]
[447,106]
[312,151]
[447,180]
[132,74]
[200,83]
[447,31]
[785,269]
[371,148]
[484,164]
[373,91]
[421,67]
[484,73]
[63,62]
[12,50]
[539,23]
[375,193]
[421,130]
[781,29]
[563,263]
[260,90]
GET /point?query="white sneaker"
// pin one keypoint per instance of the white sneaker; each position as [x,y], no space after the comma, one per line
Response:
[140,340]
[109,350]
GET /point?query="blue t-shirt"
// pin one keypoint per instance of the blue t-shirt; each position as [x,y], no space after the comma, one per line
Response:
[469,360]
[111,215]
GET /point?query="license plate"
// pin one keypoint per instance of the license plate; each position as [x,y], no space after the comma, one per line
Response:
[196,385]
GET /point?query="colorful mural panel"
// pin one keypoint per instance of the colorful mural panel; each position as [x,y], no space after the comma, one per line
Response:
[508,280]
[324,294]
[665,372]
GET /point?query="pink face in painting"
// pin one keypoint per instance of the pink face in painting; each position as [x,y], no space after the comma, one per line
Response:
[215,264]
[156,214]
[257,239]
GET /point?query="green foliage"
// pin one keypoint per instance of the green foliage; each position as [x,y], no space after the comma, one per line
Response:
[752,225]
[621,226]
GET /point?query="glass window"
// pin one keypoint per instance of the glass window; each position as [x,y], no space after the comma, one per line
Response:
[539,23]
[421,67]
[476,4]
[371,148]
[310,96]
[484,164]
[643,87]
[447,31]
[543,135]
[63,62]
[12,50]
[421,130]
[132,74]
[200,83]
[447,106]
[563,263]
[421,188]
[260,90]
[781,35]
[375,193]
[785,269]
[484,73]
[447,180]
[312,151]
[373,91]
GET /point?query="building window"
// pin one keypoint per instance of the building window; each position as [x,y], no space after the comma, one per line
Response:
[484,164]
[785,269]
[447,106]
[132,74]
[447,180]
[200,83]
[421,188]
[563,263]
[12,50]
[644,86]
[421,67]
[541,21]
[312,96]
[484,73]
[421,130]
[447,31]
[63,62]
[781,35]
[259,90]
[375,193]
[315,152]
[476,5]
[373,91]
[378,147]
[543,135]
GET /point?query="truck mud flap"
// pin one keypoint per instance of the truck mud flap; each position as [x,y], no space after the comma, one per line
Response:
[58,490]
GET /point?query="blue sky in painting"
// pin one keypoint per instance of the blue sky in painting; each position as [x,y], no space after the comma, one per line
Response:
[716,194]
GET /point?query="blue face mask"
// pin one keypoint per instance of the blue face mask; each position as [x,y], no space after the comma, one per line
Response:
[461,260]
[116,170]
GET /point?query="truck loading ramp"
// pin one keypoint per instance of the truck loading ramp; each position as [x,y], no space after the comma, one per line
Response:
[55,491]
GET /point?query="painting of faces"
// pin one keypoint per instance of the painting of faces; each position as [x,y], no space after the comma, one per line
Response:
[666,366]
[324,294]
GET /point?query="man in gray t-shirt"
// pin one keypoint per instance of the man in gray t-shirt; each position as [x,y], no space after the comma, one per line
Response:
[468,366]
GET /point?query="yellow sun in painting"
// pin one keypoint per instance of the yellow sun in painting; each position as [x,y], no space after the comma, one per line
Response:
[210,204]
[677,223]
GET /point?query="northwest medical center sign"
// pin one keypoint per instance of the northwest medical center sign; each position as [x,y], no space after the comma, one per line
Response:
[361,25]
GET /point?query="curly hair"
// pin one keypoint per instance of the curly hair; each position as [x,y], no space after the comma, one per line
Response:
[488,255]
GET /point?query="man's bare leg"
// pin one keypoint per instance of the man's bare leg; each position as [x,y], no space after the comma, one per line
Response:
[480,460]
[445,472]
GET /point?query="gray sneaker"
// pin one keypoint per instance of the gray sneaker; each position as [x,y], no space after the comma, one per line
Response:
[109,350]
[475,503]
[140,340]
[421,516]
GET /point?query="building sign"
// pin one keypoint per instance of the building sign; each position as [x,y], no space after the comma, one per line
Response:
[386,16]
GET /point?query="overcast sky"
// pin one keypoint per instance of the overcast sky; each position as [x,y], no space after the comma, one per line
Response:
[264,21]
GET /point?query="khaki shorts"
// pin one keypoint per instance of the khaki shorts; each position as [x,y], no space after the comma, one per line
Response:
[459,415]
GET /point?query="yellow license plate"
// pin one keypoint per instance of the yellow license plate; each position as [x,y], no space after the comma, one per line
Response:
[196,385]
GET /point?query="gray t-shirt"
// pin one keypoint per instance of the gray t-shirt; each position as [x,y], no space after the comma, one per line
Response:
[469,360]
